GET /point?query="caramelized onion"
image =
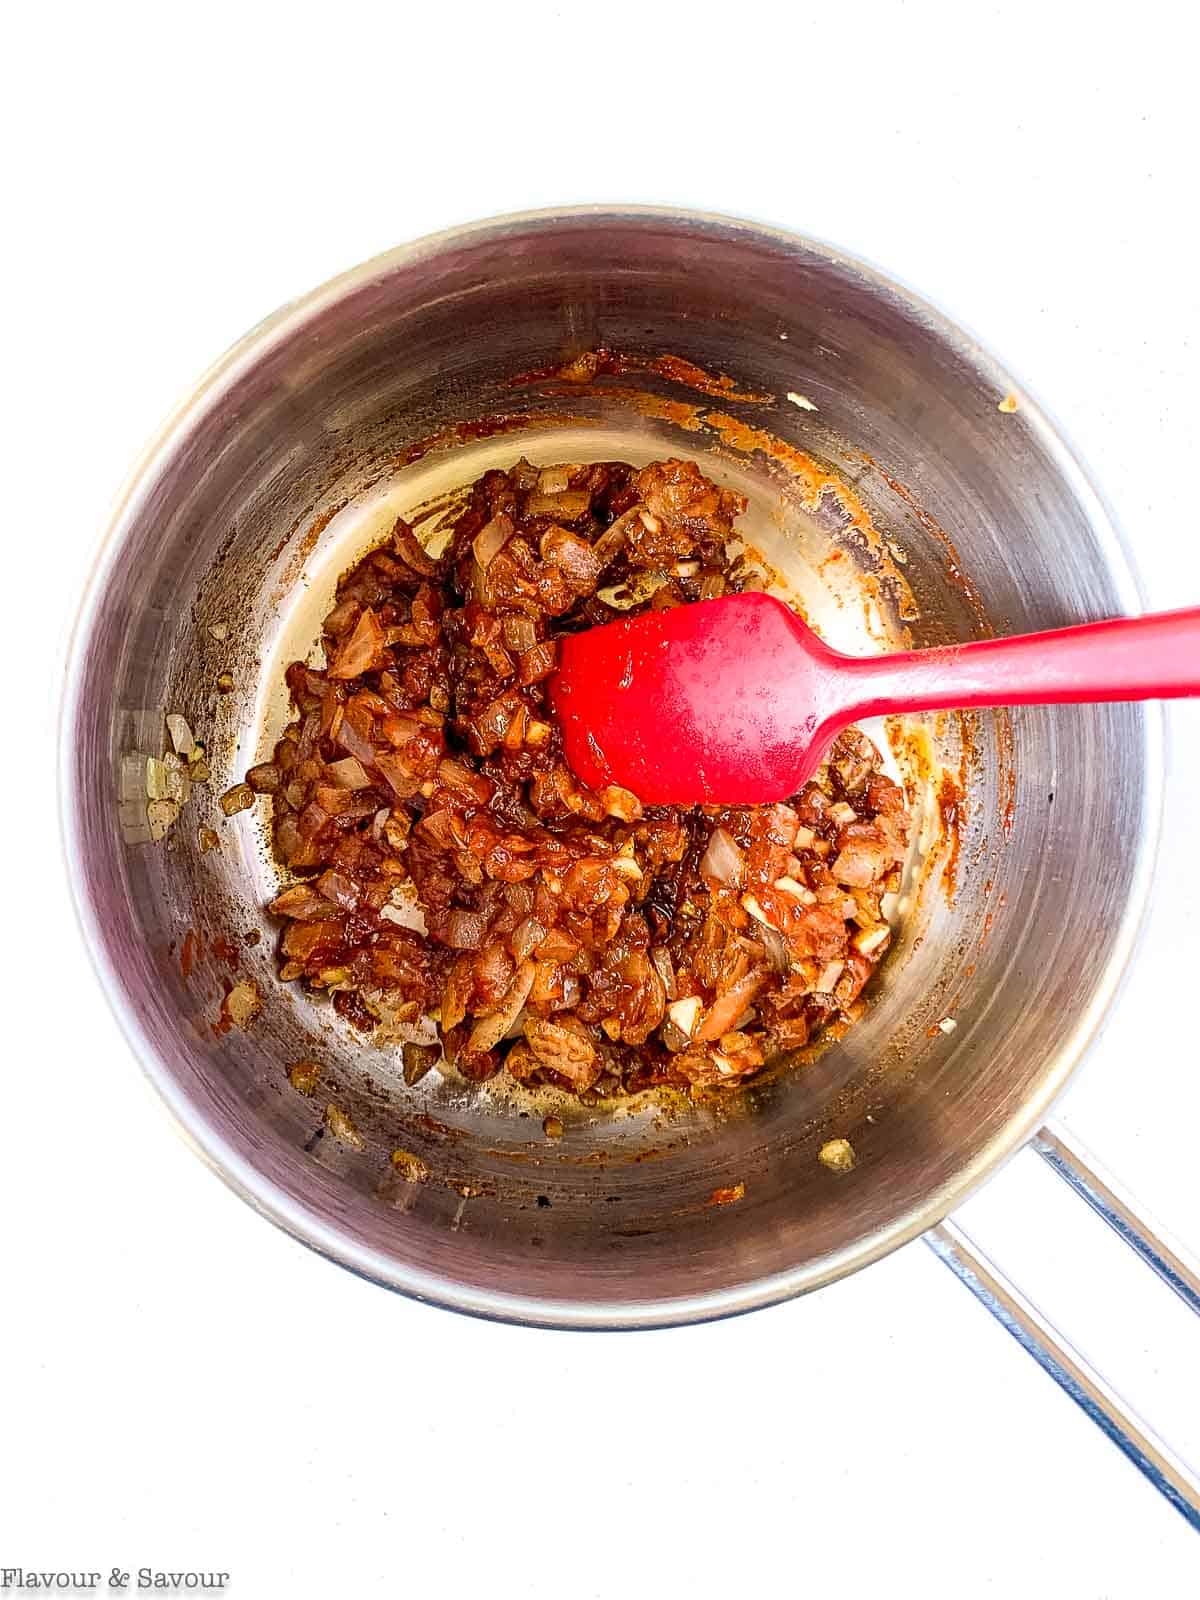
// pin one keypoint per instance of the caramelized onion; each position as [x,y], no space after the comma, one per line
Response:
[362,650]
[264,779]
[566,935]
[520,634]
[354,742]
[526,937]
[488,1032]
[775,945]
[728,1007]
[563,507]
[349,773]
[663,965]
[465,930]
[491,539]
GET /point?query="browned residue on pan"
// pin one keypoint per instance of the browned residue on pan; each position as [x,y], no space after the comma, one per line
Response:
[192,947]
[813,487]
[950,807]
[225,951]
[1008,771]
[952,562]
[490,427]
[960,580]
[605,362]
[290,575]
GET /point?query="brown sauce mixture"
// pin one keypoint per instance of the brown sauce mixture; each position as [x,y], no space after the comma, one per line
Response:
[574,938]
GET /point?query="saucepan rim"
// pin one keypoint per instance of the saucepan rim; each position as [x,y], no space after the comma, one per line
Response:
[284,1209]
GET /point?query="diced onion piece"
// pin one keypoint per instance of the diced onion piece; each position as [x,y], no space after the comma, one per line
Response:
[342,1129]
[947,1025]
[571,554]
[302,903]
[491,539]
[265,779]
[843,813]
[621,803]
[156,779]
[465,929]
[526,937]
[161,816]
[683,1013]
[472,785]
[436,826]
[564,505]
[342,618]
[181,735]
[728,1007]
[348,773]
[665,968]
[723,861]
[488,1031]
[776,947]
[566,1050]
[242,1004]
[239,798]
[338,889]
[400,780]
[613,538]
[311,820]
[860,863]
[837,1155]
[750,904]
[363,649]
[418,1059]
[355,742]
[538,662]
[829,975]
[867,940]
[627,867]
[796,890]
[520,634]
[804,838]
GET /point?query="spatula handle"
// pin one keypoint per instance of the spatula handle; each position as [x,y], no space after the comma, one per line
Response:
[1127,658]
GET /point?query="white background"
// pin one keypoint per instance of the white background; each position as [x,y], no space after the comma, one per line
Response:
[179,1384]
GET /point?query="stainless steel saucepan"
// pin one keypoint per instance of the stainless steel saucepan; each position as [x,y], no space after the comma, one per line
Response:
[963,511]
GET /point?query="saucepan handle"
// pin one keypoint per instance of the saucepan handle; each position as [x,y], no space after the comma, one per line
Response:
[1162,1255]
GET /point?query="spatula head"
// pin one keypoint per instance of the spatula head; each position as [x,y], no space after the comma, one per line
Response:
[728,701]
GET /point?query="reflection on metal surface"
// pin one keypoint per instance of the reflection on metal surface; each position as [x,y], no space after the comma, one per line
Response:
[1113,1204]
[1173,1478]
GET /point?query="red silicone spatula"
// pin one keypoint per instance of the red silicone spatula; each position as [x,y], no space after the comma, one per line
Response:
[735,700]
